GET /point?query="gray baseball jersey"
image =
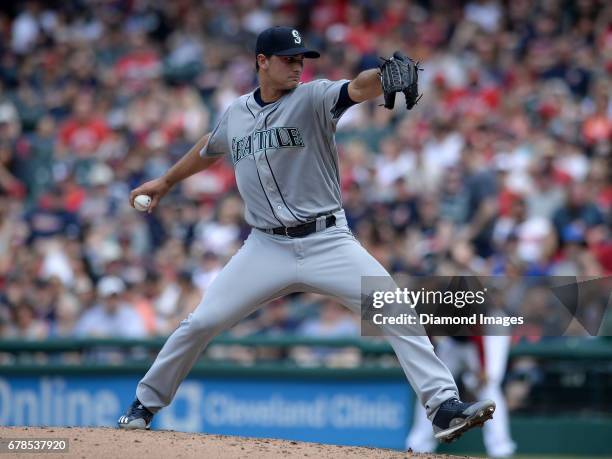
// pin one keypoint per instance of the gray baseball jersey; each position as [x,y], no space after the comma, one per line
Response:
[286,165]
[284,154]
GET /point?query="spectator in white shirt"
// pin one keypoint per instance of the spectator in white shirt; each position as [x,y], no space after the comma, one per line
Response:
[112,316]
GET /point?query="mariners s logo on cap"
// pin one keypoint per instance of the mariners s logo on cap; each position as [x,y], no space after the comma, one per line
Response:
[283,41]
[296,34]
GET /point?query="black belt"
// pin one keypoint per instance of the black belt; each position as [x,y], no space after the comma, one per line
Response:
[302,230]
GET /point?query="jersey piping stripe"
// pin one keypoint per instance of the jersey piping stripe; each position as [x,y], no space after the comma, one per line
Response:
[264,192]
[334,111]
[247,106]
[279,191]
[272,172]
[268,115]
[257,170]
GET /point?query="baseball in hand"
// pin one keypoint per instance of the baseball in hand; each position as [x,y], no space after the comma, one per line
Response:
[142,202]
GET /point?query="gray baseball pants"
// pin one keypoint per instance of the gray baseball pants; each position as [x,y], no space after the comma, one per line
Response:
[268,266]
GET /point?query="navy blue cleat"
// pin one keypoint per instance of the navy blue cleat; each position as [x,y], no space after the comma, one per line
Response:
[136,417]
[454,418]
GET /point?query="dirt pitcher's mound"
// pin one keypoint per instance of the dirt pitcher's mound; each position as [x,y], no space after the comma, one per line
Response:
[163,444]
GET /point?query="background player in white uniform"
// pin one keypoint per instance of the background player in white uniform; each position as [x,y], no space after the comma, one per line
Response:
[280,138]
[486,374]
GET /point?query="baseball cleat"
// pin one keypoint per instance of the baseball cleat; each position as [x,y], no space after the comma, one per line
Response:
[454,418]
[136,417]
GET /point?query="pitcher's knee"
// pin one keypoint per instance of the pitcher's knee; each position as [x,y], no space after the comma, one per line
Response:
[202,324]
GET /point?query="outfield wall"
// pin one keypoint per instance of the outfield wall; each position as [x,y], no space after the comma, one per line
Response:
[368,407]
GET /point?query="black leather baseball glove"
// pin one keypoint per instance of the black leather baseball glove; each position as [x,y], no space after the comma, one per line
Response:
[399,73]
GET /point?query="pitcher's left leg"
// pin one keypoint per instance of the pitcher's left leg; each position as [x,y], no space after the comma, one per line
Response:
[334,263]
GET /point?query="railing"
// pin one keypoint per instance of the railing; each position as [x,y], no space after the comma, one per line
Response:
[558,348]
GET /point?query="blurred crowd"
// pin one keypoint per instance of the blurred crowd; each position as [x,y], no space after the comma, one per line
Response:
[502,169]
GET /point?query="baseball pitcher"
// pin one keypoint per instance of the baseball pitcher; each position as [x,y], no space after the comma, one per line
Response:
[280,138]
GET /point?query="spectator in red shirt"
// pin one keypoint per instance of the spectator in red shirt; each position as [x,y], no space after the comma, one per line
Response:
[84,132]
[139,66]
[598,126]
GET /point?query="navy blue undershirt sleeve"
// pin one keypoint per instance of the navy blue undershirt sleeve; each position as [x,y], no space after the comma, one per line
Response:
[344,100]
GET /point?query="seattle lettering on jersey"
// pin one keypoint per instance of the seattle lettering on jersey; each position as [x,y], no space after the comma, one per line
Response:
[276,137]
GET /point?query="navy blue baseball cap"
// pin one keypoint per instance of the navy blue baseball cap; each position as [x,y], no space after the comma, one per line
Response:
[283,41]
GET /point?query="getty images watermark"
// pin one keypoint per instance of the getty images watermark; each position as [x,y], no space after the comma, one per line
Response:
[471,306]
[457,299]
